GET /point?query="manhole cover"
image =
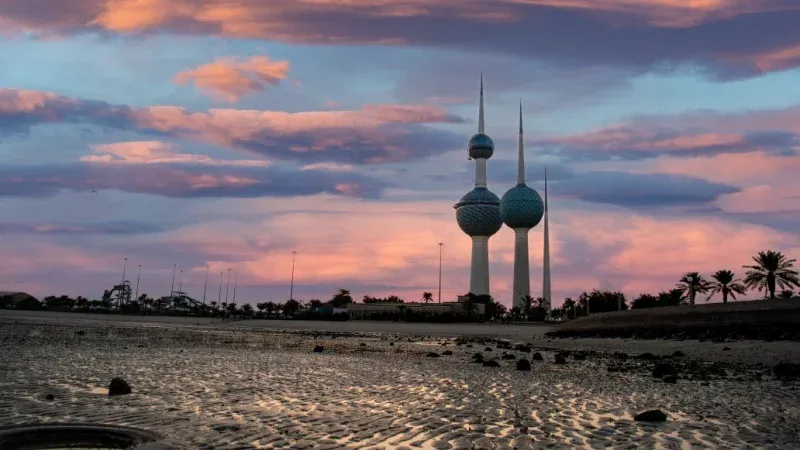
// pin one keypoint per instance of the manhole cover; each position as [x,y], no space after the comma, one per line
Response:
[79,436]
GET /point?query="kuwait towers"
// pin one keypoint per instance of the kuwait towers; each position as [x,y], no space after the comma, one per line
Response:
[522,209]
[478,212]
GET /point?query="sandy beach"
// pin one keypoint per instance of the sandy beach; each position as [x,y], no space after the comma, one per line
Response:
[258,384]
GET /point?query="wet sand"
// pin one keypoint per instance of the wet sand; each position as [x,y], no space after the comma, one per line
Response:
[233,388]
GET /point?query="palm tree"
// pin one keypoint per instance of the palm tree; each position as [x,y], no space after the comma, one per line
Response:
[771,269]
[692,283]
[569,304]
[786,294]
[725,282]
[427,297]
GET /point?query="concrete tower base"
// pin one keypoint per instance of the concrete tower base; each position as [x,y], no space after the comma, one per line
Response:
[522,281]
[479,276]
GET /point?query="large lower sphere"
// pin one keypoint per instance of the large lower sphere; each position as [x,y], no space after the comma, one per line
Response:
[521,207]
[478,213]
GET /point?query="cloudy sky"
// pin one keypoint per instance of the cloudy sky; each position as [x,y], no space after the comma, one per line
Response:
[228,133]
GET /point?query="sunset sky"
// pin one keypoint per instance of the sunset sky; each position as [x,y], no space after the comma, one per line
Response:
[229,133]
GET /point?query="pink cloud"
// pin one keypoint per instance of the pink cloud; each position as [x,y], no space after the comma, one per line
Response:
[157,152]
[372,134]
[231,79]
[629,33]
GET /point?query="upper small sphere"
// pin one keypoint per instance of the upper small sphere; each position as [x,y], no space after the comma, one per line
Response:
[481,146]
[521,207]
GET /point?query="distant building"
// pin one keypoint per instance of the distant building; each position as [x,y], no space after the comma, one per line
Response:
[365,311]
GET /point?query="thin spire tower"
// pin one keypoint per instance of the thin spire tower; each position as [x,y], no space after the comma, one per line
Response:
[546,270]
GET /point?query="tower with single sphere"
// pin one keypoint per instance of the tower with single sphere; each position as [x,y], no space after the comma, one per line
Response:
[478,212]
[546,257]
[521,209]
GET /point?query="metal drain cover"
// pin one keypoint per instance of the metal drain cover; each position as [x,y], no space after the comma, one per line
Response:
[80,436]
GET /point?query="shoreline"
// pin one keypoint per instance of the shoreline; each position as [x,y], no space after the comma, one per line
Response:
[746,352]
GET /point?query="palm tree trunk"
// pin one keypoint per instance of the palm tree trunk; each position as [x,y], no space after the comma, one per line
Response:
[771,285]
[724,296]
[691,297]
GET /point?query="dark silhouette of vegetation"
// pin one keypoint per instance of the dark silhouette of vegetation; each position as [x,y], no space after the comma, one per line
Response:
[692,283]
[342,298]
[725,283]
[772,269]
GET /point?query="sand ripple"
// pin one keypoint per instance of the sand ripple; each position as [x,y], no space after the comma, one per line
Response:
[245,390]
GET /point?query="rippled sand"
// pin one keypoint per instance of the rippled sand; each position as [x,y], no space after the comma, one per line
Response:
[235,389]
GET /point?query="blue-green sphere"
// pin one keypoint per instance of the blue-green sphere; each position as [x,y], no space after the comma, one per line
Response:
[521,207]
[481,146]
[478,213]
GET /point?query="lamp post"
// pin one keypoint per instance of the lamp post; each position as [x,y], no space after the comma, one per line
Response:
[228,286]
[205,286]
[219,296]
[138,278]
[124,267]
[441,244]
[235,282]
[291,283]
[172,286]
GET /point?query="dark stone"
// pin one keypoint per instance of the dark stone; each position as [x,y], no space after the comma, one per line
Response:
[319,349]
[508,356]
[362,345]
[662,369]
[725,349]
[654,415]
[488,349]
[522,348]
[432,355]
[786,370]
[391,344]
[560,359]
[678,354]
[477,357]
[469,345]
[140,345]
[671,379]
[491,363]
[80,332]
[118,386]
[620,355]
[537,357]
[49,397]
[447,353]
[647,357]
[523,365]
[579,356]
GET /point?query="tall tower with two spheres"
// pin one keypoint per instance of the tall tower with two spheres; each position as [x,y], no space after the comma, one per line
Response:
[478,212]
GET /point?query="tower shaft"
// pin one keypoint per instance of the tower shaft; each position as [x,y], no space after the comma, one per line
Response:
[546,257]
[522,282]
[479,275]
[520,151]
[480,173]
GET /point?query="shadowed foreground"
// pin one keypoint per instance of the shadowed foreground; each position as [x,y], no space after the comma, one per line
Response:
[763,320]
[227,389]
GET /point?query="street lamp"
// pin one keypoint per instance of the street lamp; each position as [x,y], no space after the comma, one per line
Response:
[291,283]
[138,277]
[441,244]
[219,296]
[124,267]
[228,286]
[235,281]
[172,286]
[205,286]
